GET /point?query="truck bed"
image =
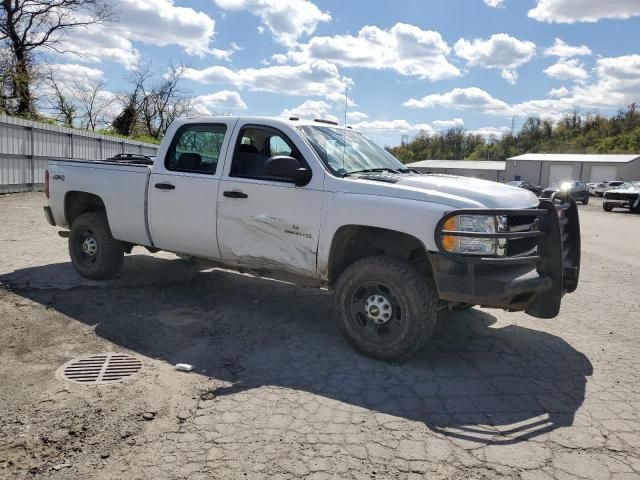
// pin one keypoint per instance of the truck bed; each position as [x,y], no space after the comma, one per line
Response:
[121,184]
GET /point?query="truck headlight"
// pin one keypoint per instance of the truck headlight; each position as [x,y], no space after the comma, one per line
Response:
[472,245]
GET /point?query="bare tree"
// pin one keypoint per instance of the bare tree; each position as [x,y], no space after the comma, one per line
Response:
[165,102]
[149,107]
[5,79]
[29,25]
[93,102]
[60,101]
[133,100]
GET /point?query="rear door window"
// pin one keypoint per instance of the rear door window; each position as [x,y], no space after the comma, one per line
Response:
[196,148]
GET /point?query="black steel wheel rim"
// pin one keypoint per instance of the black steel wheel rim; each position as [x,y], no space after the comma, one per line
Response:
[361,321]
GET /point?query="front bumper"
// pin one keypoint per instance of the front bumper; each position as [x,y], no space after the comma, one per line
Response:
[618,203]
[534,283]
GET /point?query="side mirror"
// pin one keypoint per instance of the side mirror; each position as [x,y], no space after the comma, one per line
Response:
[287,168]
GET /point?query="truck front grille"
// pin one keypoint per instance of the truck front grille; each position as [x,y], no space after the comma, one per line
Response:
[517,247]
[619,196]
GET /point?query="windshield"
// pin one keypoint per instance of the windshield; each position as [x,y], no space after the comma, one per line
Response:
[517,184]
[346,151]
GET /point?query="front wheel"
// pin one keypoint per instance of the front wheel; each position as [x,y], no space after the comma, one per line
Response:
[585,200]
[386,309]
[606,207]
[94,252]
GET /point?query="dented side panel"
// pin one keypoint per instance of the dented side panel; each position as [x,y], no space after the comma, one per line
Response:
[275,227]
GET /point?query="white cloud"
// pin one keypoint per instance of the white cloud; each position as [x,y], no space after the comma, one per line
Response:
[495,3]
[161,22]
[97,43]
[404,48]
[311,109]
[320,109]
[511,76]
[571,11]
[453,123]
[558,92]
[72,71]
[472,99]
[392,126]
[477,100]
[488,132]
[617,85]
[499,51]
[70,79]
[356,116]
[563,50]
[287,20]
[545,108]
[215,102]
[568,70]
[153,22]
[312,79]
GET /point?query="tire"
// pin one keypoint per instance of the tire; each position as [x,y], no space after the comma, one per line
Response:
[388,284]
[585,200]
[94,252]
[636,208]
[606,207]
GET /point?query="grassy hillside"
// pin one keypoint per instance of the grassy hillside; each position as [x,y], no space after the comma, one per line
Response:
[572,134]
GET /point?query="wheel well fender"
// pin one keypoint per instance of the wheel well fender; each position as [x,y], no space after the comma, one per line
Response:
[351,243]
[77,203]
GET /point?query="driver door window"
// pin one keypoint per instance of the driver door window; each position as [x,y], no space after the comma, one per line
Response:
[255,147]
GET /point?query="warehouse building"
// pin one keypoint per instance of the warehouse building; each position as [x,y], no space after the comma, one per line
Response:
[465,168]
[550,169]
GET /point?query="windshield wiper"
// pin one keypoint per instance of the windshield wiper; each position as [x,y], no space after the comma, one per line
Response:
[371,170]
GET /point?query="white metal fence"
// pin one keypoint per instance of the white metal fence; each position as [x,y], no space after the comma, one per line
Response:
[25,147]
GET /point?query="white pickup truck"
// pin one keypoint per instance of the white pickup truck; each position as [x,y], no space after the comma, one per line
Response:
[318,204]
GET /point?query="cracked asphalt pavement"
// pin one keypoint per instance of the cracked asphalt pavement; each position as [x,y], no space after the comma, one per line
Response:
[277,392]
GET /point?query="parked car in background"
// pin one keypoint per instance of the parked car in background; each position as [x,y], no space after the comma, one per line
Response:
[592,188]
[527,186]
[626,195]
[577,189]
[606,186]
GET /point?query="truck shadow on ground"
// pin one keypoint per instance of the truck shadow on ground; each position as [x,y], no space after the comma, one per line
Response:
[472,382]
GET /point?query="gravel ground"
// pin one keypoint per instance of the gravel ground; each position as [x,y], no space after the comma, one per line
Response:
[277,393]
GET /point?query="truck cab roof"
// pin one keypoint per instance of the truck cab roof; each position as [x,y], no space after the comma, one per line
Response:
[269,120]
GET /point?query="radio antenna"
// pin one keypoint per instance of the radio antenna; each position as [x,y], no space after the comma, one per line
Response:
[344,136]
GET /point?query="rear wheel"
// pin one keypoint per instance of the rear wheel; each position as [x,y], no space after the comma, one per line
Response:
[585,200]
[94,252]
[386,309]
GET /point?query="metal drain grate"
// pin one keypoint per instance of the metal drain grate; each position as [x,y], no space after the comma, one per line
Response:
[101,368]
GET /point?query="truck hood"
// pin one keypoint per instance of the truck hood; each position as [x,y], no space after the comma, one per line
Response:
[463,192]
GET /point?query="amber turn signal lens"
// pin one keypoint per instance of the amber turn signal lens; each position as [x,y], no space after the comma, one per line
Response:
[449,242]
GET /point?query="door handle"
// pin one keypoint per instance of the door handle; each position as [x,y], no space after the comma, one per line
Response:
[165,186]
[235,194]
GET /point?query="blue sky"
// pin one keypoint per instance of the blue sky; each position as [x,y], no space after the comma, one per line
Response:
[417,65]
